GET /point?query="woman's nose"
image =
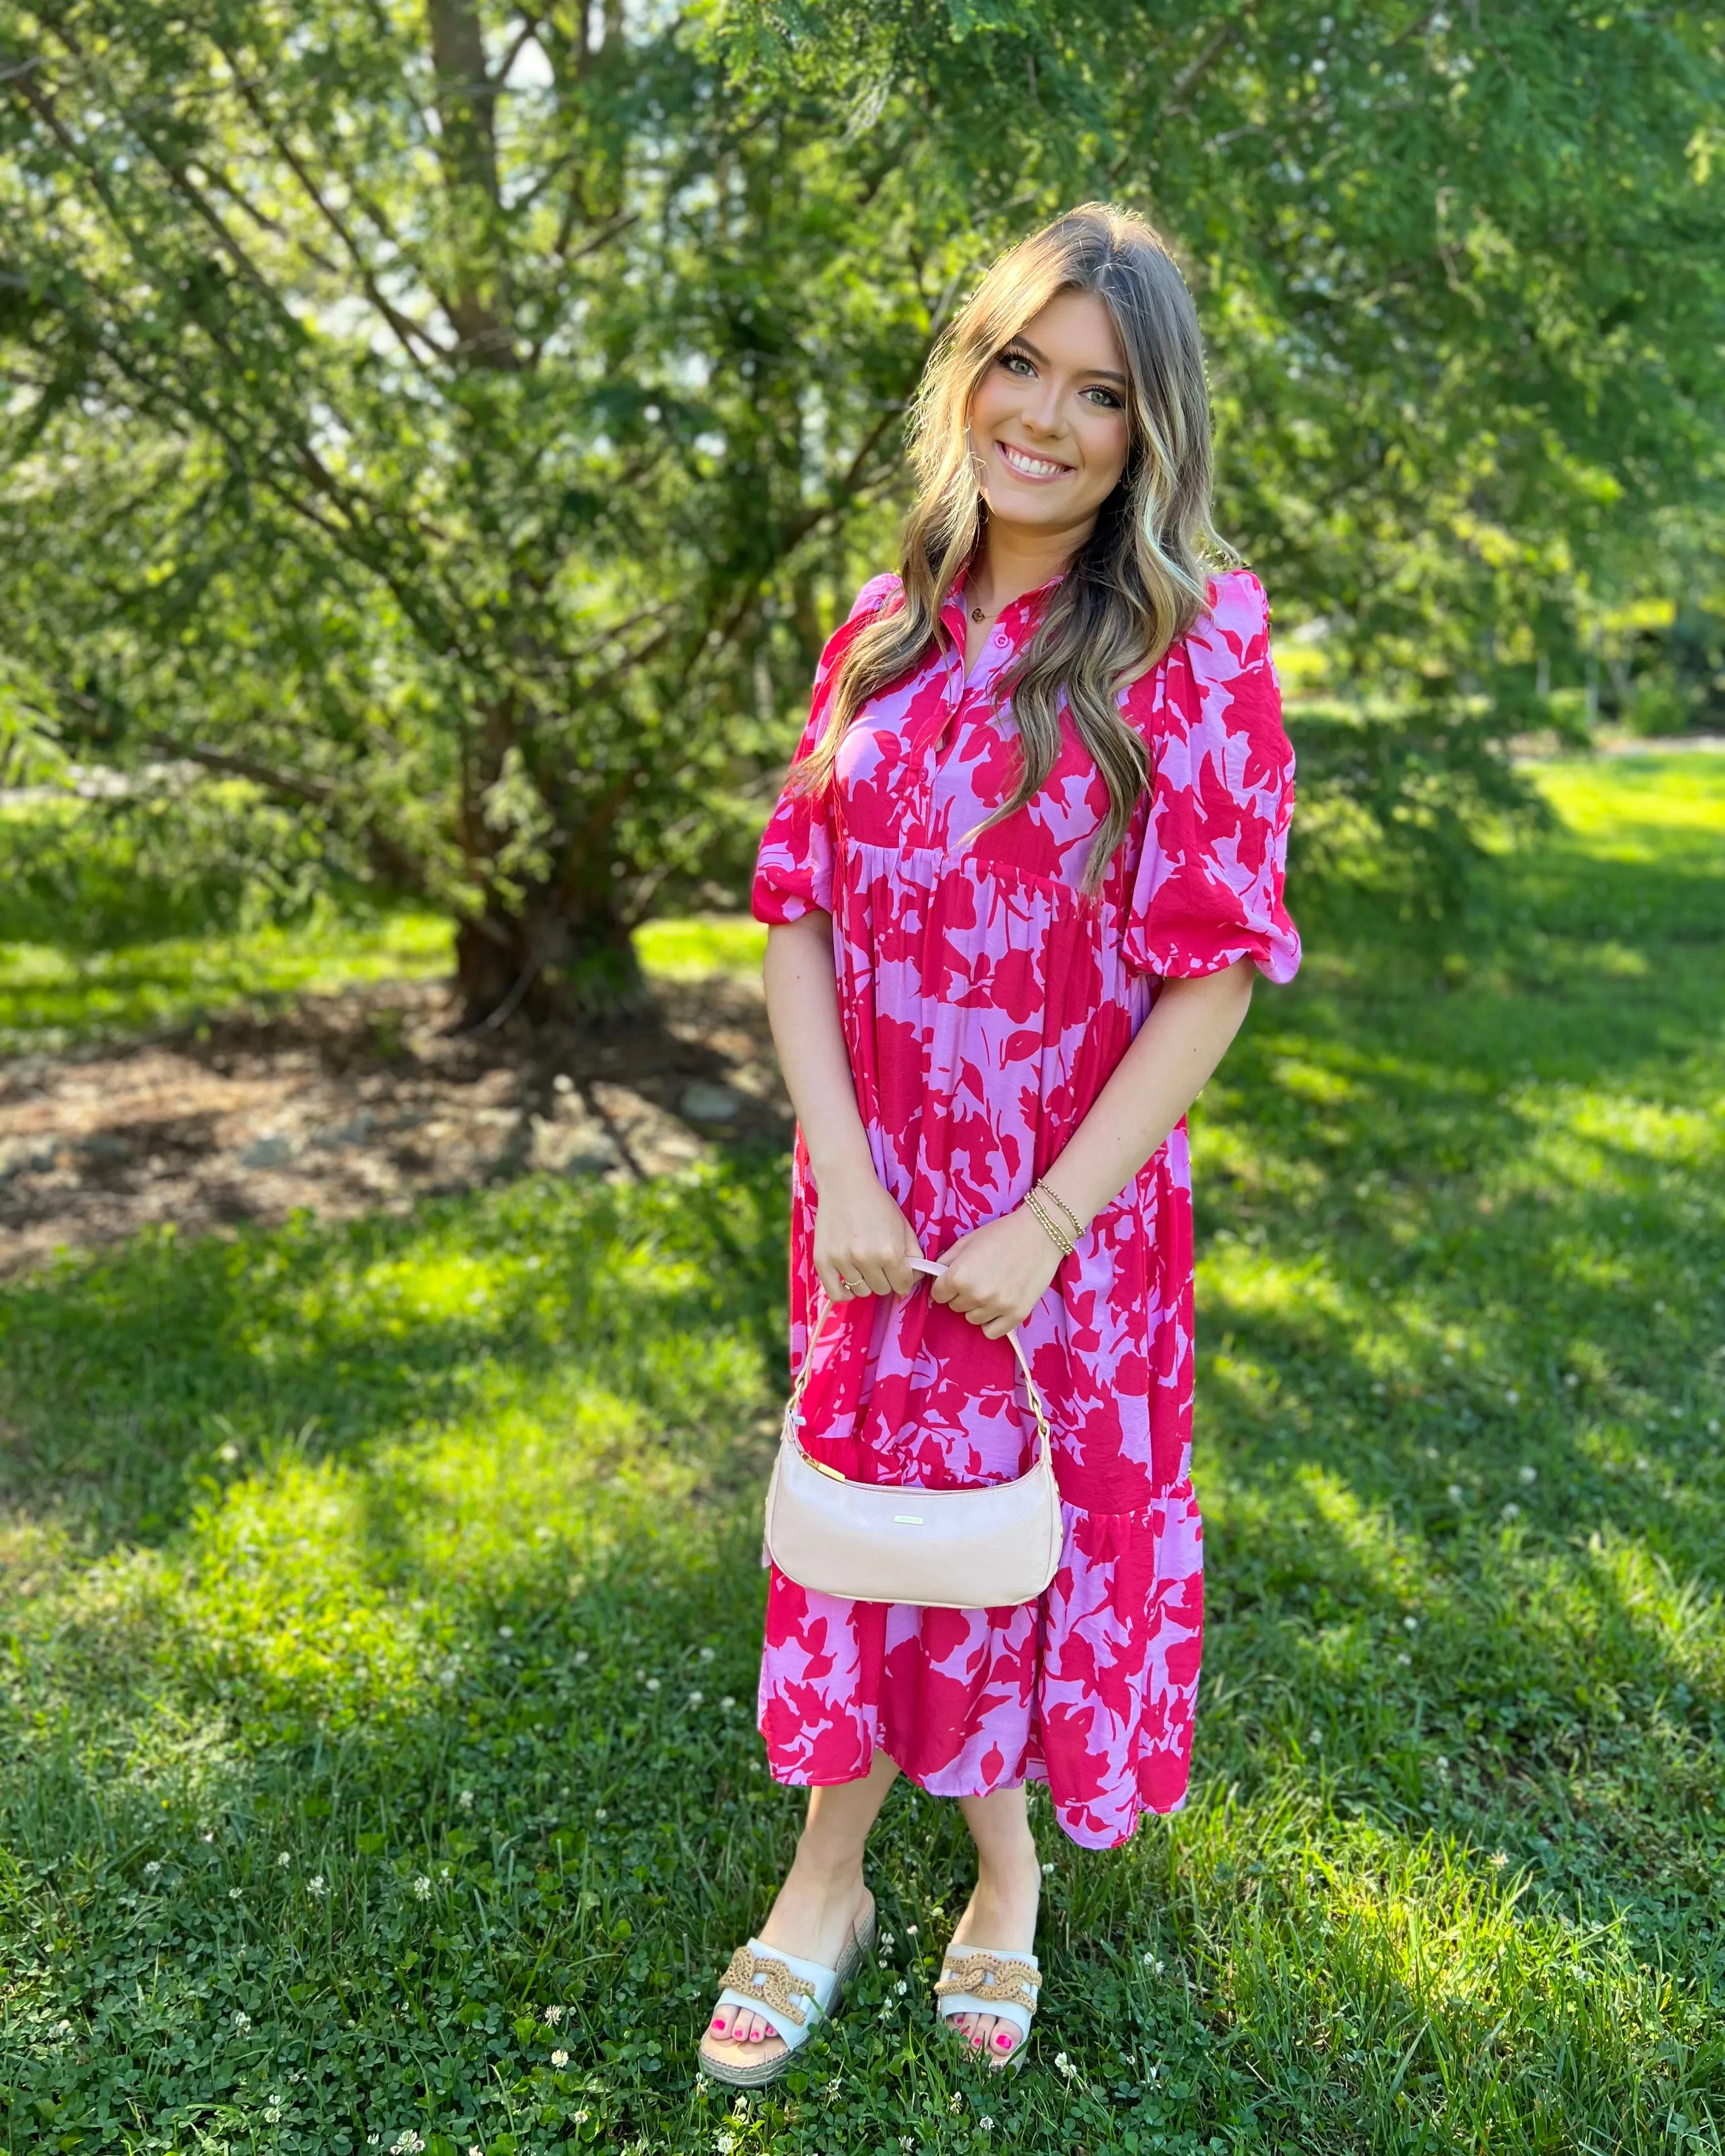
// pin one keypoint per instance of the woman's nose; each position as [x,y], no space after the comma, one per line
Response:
[1042,415]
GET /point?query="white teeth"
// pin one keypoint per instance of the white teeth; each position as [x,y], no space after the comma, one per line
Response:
[1032,467]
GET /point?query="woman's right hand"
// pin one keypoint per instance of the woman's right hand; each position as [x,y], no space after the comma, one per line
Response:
[863,1244]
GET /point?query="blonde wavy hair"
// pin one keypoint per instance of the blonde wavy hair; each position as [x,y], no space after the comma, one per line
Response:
[1137,584]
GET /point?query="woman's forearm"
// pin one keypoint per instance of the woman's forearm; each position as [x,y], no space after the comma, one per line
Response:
[1155,1082]
[802,1008]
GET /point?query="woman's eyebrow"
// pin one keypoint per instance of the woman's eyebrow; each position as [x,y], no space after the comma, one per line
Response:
[1101,373]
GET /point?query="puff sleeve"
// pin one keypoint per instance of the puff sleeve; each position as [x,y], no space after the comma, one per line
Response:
[793,867]
[1207,890]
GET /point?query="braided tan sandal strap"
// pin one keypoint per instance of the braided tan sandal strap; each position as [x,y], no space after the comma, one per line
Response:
[991,1979]
[761,1978]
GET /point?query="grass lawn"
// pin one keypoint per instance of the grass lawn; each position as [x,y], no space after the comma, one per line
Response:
[382,1611]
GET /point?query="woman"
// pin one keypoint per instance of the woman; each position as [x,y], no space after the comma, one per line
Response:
[1029,853]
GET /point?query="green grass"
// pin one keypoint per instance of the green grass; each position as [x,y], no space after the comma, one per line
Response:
[383,1614]
[55,995]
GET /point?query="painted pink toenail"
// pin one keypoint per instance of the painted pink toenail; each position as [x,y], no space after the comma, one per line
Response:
[1004,2042]
[718,2025]
[976,2043]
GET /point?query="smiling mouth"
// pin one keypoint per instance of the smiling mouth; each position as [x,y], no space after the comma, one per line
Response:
[1023,465]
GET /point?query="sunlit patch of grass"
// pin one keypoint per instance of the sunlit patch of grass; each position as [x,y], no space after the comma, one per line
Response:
[52,996]
[715,943]
[60,985]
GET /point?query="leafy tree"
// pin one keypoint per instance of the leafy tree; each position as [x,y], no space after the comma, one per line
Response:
[446,422]
[460,421]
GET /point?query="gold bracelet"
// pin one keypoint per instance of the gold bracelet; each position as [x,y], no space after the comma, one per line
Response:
[1046,1189]
[1055,1233]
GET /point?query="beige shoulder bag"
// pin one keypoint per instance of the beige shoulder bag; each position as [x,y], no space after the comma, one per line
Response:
[940,1549]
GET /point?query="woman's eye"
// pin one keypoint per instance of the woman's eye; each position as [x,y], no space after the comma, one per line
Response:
[1015,363]
[1107,399]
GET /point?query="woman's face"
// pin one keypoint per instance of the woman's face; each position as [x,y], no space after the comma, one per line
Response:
[1048,423]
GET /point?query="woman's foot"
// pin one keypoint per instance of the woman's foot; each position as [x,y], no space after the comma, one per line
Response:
[1001,1915]
[818,1908]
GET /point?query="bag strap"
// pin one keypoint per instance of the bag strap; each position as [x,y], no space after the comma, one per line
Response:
[793,1420]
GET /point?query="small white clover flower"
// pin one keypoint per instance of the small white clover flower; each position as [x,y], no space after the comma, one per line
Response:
[207,1837]
[285,1859]
[242,2022]
[1513,1397]
[986,2125]
[601,1815]
[1047,1870]
[560,2060]
[581,1658]
[506,1631]
[726,2143]
[652,1684]
[1530,1473]
[901,1987]
[152,1868]
[1456,1493]
[907,2141]
[422,1888]
[314,1886]
[1406,1661]
[579,2117]
[706,1653]
[833,2087]
[1497,1860]
[1511,1511]
[727,1702]
[236,1894]
[473,2149]
[887,1943]
[1443,1765]
[272,2115]
[1410,1624]
[443,1871]
[1064,2066]
[696,1698]
[553,2014]
[910,1931]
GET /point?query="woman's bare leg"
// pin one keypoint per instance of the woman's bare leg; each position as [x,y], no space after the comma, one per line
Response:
[820,1901]
[1002,1912]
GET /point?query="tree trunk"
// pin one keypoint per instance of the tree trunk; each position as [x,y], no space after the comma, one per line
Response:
[546,964]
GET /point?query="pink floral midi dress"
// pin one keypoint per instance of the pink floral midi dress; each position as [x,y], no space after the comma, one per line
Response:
[985,1001]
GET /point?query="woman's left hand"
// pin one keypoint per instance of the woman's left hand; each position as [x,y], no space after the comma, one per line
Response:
[998,1274]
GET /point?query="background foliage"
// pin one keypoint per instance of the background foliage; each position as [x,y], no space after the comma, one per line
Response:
[461,423]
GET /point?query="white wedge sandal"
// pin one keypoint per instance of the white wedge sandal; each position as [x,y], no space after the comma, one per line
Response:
[981,1980]
[790,1993]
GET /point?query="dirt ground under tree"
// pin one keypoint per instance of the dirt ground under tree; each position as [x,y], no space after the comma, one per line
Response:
[363,1102]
